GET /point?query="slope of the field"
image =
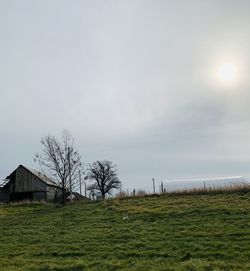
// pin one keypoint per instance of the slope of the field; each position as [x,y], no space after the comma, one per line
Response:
[202,232]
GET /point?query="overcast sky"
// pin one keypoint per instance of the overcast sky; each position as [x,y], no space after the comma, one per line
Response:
[134,81]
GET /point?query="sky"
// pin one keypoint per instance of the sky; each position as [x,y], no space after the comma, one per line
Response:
[135,82]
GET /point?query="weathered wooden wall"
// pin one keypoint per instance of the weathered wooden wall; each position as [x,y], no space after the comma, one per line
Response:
[26,182]
[51,192]
[4,197]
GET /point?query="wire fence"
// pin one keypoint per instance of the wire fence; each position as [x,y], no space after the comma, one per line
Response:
[178,186]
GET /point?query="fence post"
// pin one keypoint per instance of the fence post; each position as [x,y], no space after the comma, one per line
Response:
[153,185]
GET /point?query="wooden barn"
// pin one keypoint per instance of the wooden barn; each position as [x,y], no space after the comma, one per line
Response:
[28,184]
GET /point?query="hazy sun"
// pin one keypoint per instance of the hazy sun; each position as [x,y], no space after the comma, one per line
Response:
[227,72]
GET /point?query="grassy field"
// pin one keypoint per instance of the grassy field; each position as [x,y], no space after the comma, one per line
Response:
[200,232]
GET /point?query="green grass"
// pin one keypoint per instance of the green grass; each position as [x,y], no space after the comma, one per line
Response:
[199,232]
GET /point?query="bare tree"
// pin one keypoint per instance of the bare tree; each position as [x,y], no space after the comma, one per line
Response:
[103,174]
[60,160]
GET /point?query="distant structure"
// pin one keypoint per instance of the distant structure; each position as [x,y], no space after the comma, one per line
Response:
[187,184]
[28,184]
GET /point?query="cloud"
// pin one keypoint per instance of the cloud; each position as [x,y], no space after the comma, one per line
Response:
[132,81]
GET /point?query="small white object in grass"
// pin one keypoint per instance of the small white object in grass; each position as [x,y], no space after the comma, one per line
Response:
[125,218]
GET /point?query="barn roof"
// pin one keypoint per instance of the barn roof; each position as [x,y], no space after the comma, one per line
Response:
[42,176]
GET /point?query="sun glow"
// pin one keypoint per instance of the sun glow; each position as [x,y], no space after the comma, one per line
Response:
[227,73]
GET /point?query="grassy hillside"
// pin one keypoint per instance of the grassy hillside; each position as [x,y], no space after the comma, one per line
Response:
[202,232]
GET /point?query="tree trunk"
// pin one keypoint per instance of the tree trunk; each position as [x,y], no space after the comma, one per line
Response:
[103,195]
[63,194]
